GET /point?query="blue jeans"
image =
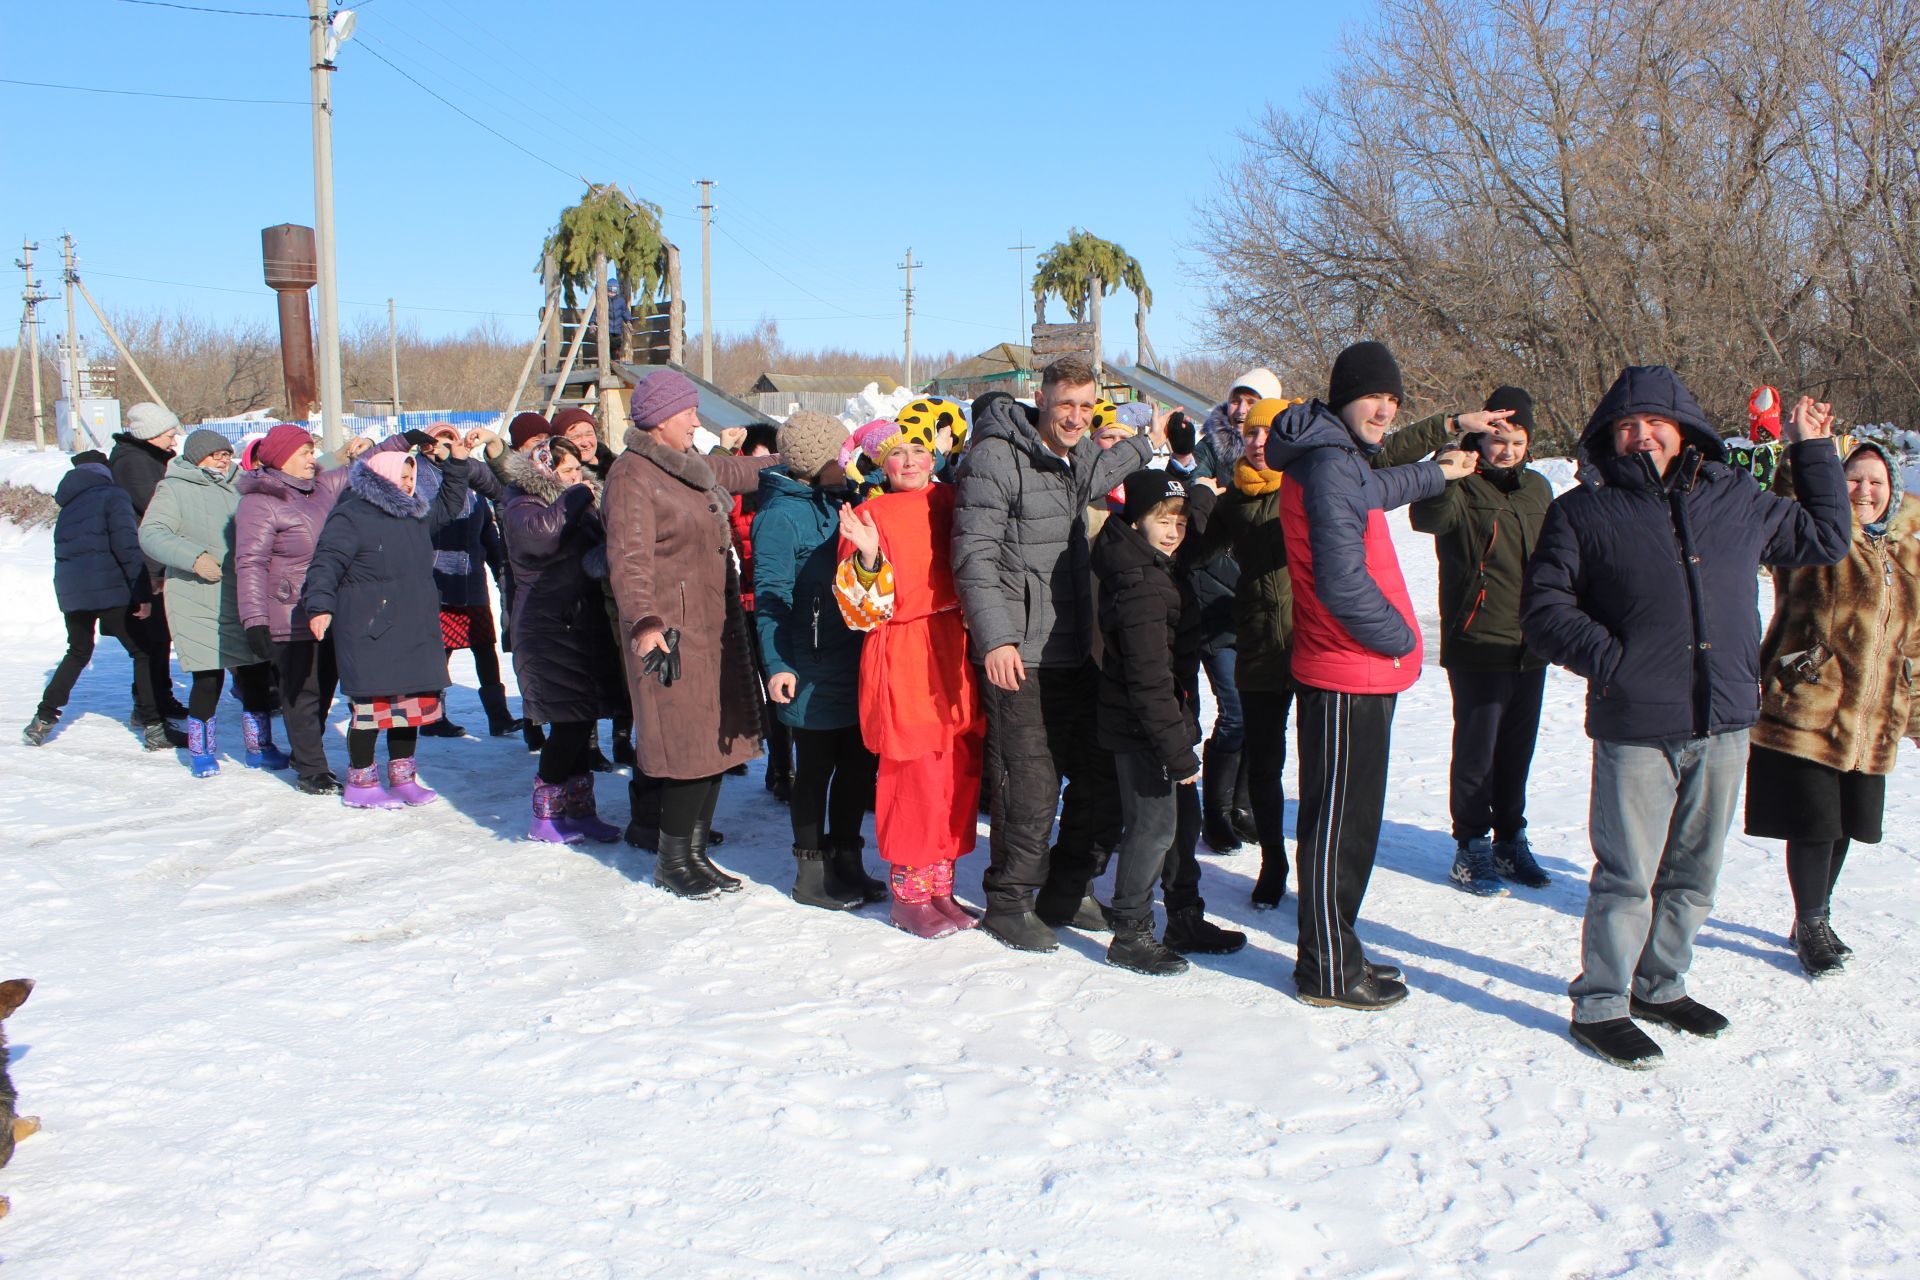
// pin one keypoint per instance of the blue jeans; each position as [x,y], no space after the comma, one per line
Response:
[1229,730]
[1658,822]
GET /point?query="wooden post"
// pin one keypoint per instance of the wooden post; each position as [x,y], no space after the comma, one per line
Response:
[13,376]
[573,354]
[603,340]
[118,345]
[676,310]
[1141,348]
[550,327]
[533,353]
[1093,315]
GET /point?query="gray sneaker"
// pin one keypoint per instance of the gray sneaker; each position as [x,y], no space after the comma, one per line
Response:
[1513,860]
[1473,869]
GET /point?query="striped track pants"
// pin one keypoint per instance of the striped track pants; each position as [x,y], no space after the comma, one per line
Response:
[1342,747]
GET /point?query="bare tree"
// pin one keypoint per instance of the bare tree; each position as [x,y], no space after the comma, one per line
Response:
[1526,191]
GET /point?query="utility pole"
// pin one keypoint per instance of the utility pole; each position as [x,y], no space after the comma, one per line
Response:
[906,379]
[393,358]
[319,28]
[73,348]
[706,277]
[1020,286]
[32,296]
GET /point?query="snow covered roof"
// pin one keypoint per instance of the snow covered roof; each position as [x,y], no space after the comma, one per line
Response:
[846,384]
[1003,361]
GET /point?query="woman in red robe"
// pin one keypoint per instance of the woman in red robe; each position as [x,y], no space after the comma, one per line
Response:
[919,708]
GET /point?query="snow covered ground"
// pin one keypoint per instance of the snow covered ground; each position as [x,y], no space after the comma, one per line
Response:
[273,1038]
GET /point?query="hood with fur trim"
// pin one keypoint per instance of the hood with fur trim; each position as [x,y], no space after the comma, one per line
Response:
[370,485]
[524,474]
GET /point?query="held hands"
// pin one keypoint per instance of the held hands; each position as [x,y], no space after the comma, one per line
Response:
[206,568]
[781,688]
[1810,421]
[479,438]
[357,446]
[858,528]
[1004,668]
[318,624]
[732,438]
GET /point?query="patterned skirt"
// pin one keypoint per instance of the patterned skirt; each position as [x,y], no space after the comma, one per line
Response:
[402,711]
[465,628]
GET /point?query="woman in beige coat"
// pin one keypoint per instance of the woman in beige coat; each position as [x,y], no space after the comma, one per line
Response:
[1839,667]
[696,699]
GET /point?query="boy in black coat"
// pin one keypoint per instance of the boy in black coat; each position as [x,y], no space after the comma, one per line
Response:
[1151,631]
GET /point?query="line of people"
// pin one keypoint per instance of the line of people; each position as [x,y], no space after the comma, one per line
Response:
[1012,607]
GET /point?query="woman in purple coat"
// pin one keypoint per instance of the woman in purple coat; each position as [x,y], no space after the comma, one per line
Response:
[283,506]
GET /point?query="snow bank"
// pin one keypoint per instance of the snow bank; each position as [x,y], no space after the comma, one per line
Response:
[874,403]
[273,1038]
[30,468]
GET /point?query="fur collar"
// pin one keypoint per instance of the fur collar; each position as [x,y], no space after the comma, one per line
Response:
[382,493]
[520,471]
[689,469]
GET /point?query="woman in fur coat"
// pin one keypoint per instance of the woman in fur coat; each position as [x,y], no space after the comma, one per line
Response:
[372,575]
[1840,675]
[564,656]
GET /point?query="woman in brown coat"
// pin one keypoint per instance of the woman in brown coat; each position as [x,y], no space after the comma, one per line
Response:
[1839,669]
[696,699]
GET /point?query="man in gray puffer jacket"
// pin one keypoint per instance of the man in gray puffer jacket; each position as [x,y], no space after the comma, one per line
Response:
[1020,562]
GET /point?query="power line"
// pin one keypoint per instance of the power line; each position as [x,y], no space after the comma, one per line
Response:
[231,13]
[138,93]
[769,266]
[471,118]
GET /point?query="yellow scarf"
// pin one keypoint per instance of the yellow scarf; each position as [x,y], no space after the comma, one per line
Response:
[1252,482]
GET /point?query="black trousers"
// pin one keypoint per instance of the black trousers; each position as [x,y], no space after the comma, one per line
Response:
[304,668]
[80,624]
[155,639]
[250,682]
[833,775]
[565,754]
[686,801]
[1343,745]
[1039,734]
[1265,715]
[1156,809]
[1180,876]
[1496,720]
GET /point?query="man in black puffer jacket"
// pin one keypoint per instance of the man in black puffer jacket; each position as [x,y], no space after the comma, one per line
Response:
[138,461]
[1646,584]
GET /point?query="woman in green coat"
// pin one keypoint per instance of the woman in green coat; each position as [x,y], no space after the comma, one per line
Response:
[188,529]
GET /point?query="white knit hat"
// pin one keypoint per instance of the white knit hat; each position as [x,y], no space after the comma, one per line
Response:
[147,420]
[1262,381]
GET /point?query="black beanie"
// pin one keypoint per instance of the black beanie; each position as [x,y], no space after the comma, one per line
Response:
[1146,489]
[1363,369]
[91,455]
[1516,399]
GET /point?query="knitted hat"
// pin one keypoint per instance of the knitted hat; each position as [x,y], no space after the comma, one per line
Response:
[664,393]
[90,456]
[1517,400]
[248,448]
[444,431]
[1146,489]
[1261,416]
[147,420]
[1363,369]
[280,444]
[572,418]
[390,465]
[203,444]
[1262,382]
[526,427]
[808,441]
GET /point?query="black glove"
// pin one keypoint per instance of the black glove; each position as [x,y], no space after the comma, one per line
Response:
[664,664]
[1180,435]
[420,440]
[576,500]
[260,640]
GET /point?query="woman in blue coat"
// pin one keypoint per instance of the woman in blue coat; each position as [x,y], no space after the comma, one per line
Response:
[372,575]
[813,662]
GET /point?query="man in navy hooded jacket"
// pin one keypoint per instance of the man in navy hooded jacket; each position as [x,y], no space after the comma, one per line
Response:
[1646,584]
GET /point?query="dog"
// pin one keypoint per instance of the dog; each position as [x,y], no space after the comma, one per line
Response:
[13,1127]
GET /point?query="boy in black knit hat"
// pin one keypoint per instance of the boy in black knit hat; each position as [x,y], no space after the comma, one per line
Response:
[1151,633]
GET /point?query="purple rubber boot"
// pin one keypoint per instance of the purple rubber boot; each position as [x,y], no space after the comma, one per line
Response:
[549,813]
[913,909]
[404,787]
[363,790]
[583,814]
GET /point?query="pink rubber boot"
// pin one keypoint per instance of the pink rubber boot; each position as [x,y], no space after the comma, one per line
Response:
[583,813]
[404,787]
[549,812]
[942,898]
[913,909]
[363,790]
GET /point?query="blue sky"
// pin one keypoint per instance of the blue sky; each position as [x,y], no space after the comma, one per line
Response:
[838,136]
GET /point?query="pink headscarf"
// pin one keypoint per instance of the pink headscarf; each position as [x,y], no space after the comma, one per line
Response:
[391,466]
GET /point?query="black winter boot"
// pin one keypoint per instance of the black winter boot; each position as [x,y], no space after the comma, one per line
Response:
[1021,930]
[1190,933]
[674,869]
[643,806]
[1685,1014]
[444,727]
[623,741]
[161,736]
[1242,813]
[35,734]
[1370,995]
[1271,887]
[500,722]
[1813,943]
[1218,769]
[535,736]
[699,858]
[811,886]
[847,874]
[1134,947]
[1619,1042]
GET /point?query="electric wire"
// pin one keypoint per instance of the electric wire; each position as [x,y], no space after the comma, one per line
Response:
[231,13]
[141,93]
